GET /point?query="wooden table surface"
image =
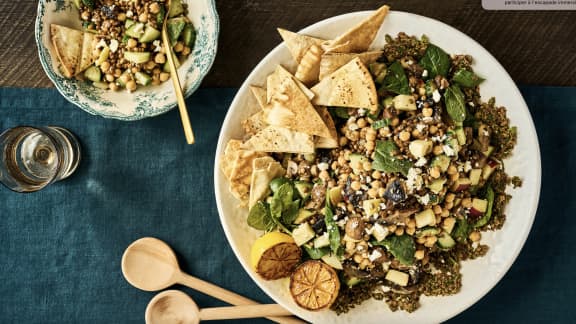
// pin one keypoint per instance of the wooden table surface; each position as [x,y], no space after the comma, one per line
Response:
[536,47]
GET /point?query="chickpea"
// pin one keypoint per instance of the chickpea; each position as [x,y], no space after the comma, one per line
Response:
[435,172]
[452,169]
[143,17]
[154,8]
[404,136]
[121,16]
[399,231]
[109,77]
[432,129]
[419,254]
[376,174]
[372,192]
[381,192]
[186,50]
[160,58]
[355,185]
[384,131]
[427,112]
[131,85]
[150,65]
[361,122]
[131,43]
[156,82]
[370,146]
[113,86]
[85,15]
[437,150]
[367,166]
[450,197]
[466,202]
[105,66]
[164,76]
[178,47]
[117,73]
[474,236]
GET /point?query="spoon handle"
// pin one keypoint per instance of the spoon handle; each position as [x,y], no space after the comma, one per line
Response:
[227,296]
[245,311]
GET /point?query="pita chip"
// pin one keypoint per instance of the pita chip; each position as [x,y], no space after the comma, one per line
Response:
[87,56]
[328,47]
[68,45]
[260,95]
[279,139]
[309,68]
[327,142]
[298,44]
[241,174]
[361,36]
[255,123]
[274,80]
[333,61]
[292,109]
[264,170]
[230,153]
[350,86]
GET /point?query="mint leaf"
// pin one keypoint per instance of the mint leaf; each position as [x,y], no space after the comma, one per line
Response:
[436,61]
[401,247]
[259,217]
[455,105]
[395,80]
[385,161]
[467,79]
[332,228]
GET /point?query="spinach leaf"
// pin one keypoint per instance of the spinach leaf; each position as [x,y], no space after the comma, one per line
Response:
[285,194]
[467,79]
[259,217]
[455,105]
[290,212]
[332,228]
[386,162]
[401,247]
[381,123]
[315,253]
[436,61]
[395,80]
[461,230]
[488,214]
[339,112]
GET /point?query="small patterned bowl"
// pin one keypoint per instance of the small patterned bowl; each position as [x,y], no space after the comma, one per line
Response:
[146,101]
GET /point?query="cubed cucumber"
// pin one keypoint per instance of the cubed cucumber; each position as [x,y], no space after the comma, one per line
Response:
[129,23]
[371,206]
[427,231]
[357,160]
[175,27]
[303,233]
[335,195]
[379,231]
[136,30]
[101,85]
[387,102]
[150,34]
[303,188]
[137,57]
[189,35]
[460,135]
[425,218]
[475,175]
[321,241]
[441,161]
[93,73]
[420,148]
[303,215]
[176,8]
[437,185]
[352,281]
[124,75]
[276,183]
[445,241]
[404,102]
[142,78]
[332,260]
[103,56]
[398,277]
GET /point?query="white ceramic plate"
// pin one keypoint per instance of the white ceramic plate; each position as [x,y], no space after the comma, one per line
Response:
[146,101]
[479,276]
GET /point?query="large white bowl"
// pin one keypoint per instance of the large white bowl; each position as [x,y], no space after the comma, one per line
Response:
[479,276]
[146,101]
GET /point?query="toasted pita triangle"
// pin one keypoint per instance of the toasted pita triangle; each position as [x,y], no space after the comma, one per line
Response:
[241,174]
[260,95]
[293,110]
[349,86]
[68,45]
[309,67]
[340,48]
[273,82]
[255,123]
[298,44]
[333,61]
[230,154]
[361,36]
[327,142]
[264,169]
[87,56]
[279,139]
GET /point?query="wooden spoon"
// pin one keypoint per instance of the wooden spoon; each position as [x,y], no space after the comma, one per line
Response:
[176,81]
[150,264]
[174,306]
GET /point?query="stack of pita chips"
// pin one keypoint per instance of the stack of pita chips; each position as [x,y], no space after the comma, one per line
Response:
[74,49]
[293,115]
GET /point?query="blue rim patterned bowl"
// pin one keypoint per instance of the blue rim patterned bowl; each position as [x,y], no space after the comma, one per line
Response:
[146,101]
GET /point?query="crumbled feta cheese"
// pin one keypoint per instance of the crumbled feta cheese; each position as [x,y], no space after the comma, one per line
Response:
[361,112]
[157,47]
[385,289]
[471,104]
[323,166]
[448,150]
[424,73]
[379,232]
[414,180]
[359,247]
[427,119]
[421,162]
[382,206]
[374,255]
[101,43]
[436,96]
[113,46]
[420,127]
[467,166]
[410,62]
[424,200]
[364,187]
[129,14]
[368,179]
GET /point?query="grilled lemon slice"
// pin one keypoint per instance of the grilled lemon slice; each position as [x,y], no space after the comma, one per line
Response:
[314,285]
[274,255]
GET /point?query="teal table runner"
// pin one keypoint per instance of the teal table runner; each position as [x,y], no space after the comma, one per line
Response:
[60,248]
